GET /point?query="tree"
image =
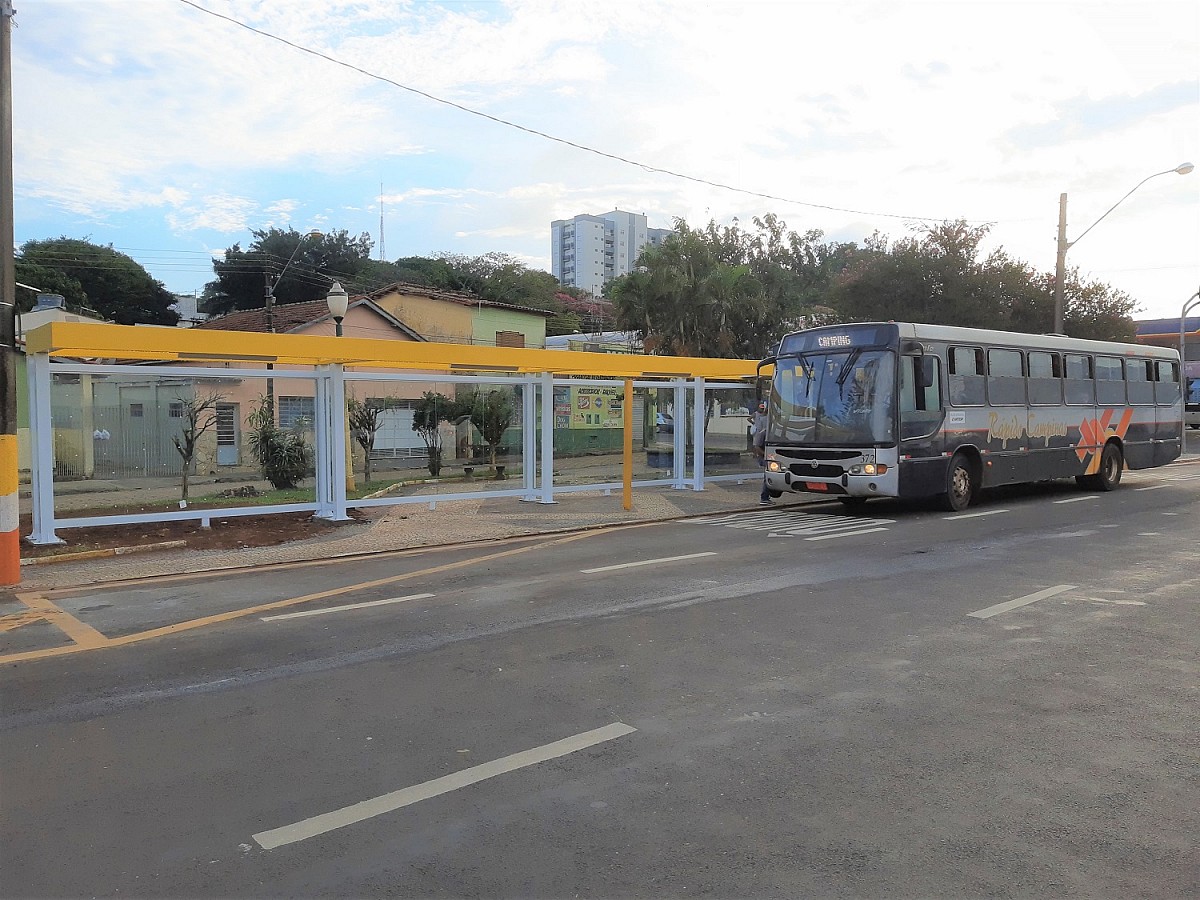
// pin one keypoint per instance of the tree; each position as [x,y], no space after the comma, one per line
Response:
[1095,310]
[492,413]
[115,285]
[199,415]
[283,454]
[431,410]
[686,300]
[364,426]
[47,281]
[727,290]
[940,276]
[241,275]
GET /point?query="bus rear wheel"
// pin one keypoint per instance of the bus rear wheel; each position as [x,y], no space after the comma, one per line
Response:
[960,484]
[1112,462]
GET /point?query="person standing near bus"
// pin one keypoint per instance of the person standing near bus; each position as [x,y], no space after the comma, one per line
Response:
[759,445]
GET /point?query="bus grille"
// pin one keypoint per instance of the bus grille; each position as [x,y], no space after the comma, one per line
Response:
[807,470]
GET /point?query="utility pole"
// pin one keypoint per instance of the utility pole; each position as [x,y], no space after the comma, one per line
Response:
[269,316]
[10,538]
[1060,265]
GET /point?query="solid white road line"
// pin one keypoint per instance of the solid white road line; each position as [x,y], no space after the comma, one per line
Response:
[1078,499]
[1153,487]
[1020,601]
[976,515]
[647,562]
[342,608]
[348,815]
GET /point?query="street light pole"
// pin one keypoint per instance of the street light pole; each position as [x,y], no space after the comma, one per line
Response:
[1060,266]
[1193,302]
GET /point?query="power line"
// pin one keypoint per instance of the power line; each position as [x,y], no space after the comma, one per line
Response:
[558,140]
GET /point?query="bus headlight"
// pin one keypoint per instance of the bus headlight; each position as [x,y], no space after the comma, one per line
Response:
[773,466]
[868,469]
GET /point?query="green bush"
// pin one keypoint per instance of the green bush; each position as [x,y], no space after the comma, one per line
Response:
[284,454]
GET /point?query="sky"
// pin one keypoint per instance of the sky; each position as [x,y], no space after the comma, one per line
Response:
[171,133]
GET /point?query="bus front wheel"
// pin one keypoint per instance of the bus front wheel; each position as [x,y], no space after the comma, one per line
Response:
[960,484]
[1112,462]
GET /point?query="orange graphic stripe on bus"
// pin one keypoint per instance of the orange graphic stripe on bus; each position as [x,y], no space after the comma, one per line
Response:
[1094,433]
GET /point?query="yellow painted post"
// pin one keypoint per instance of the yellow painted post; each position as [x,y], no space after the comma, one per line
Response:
[10,537]
[627,468]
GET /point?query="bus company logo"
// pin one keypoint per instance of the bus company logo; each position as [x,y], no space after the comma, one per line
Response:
[1094,432]
[834,340]
[1004,430]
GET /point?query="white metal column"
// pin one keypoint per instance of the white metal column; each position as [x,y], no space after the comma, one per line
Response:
[547,392]
[699,419]
[41,433]
[338,432]
[321,440]
[529,394]
[679,433]
[331,385]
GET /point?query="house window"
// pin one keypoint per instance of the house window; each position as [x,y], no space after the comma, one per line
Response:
[296,411]
[510,339]
[176,409]
[136,411]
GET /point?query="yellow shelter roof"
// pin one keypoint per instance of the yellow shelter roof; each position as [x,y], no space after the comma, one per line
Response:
[207,346]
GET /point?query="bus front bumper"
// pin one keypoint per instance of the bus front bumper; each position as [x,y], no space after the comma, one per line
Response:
[879,484]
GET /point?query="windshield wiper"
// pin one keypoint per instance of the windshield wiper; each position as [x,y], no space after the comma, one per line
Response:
[845,372]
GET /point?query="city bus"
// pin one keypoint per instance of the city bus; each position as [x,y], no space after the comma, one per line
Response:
[893,409]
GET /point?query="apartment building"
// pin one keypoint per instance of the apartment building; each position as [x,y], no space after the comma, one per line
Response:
[588,252]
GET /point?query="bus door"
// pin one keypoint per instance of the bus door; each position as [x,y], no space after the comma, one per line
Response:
[922,435]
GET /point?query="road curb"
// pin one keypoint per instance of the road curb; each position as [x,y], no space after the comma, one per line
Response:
[99,554]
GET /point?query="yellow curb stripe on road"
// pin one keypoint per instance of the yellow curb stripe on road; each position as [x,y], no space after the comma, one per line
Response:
[84,635]
[87,638]
[13,621]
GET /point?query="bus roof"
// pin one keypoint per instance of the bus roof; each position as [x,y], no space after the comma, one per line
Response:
[993,337]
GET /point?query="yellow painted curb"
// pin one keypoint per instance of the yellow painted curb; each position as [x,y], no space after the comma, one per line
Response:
[97,554]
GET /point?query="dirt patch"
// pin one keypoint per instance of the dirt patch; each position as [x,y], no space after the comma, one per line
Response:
[225,534]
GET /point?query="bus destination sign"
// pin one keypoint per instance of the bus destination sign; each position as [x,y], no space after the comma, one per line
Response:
[840,338]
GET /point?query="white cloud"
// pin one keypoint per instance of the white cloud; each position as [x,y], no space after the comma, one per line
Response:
[140,115]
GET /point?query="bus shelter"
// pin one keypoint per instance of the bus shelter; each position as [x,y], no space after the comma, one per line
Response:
[687,414]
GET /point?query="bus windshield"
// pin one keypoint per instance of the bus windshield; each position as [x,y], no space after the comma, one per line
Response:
[840,398]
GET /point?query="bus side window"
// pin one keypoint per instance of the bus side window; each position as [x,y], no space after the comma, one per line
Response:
[1141,381]
[1080,383]
[966,376]
[1045,378]
[1166,384]
[1006,378]
[1110,381]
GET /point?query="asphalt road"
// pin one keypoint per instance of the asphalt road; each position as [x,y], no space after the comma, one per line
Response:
[787,702]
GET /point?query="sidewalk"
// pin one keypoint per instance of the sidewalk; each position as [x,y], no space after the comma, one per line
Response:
[416,525]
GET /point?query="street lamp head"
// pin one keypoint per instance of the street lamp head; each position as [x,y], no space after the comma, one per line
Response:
[337,300]
[1183,169]
[315,233]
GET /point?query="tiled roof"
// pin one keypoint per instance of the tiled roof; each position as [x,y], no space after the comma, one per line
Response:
[285,317]
[462,298]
